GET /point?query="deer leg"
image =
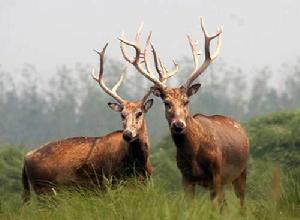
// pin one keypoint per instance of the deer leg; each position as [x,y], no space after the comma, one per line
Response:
[149,168]
[216,193]
[189,187]
[223,201]
[239,186]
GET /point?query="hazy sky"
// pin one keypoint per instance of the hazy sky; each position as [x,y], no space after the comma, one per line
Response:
[50,33]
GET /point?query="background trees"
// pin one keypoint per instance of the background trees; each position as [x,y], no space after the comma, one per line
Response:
[70,103]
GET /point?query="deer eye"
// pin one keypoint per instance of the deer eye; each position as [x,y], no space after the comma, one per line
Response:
[186,102]
[139,114]
[167,104]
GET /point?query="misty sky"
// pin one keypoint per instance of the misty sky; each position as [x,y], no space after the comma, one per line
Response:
[51,33]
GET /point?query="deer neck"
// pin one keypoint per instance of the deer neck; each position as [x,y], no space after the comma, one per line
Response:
[142,135]
[139,149]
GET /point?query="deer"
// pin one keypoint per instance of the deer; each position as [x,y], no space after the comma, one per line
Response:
[90,161]
[212,151]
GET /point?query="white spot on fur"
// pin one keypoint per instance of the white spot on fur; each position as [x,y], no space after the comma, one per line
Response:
[236,125]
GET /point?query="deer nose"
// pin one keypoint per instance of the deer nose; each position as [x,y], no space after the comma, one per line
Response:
[178,126]
[127,135]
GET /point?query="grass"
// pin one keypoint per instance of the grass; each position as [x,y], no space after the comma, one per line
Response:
[154,201]
[160,198]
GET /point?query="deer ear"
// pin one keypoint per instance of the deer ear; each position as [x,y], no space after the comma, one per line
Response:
[115,106]
[193,89]
[147,105]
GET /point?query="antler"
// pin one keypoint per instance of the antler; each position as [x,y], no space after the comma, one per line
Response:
[161,69]
[136,62]
[208,57]
[99,79]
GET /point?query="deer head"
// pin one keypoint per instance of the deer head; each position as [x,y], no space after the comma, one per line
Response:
[175,99]
[132,113]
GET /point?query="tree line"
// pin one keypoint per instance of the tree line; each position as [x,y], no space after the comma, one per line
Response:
[69,103]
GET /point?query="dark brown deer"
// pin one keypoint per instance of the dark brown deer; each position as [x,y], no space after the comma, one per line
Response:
[211,150]
[85,161]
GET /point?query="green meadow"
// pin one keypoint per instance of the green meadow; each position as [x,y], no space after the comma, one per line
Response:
[273,186]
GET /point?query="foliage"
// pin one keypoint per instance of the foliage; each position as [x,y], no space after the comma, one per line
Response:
[11,159]
[69,103]
[164,162]
[275,137]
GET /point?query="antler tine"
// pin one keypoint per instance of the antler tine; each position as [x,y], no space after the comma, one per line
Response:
[146,53]
[101,57]
[123,49]
[195,51]
[157,63]
[208,57]
[136,62]
[175,70]
[100,81]
[122,76]
[162,71]
[139,32]
[219,43]
[208,39]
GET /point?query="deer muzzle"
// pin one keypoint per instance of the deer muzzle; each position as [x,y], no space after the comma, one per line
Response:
[127,135]
[178,126]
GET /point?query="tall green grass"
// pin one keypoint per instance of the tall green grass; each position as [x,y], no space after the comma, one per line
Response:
[155,200]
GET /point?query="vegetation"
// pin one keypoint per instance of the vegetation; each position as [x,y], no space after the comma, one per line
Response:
[150,202]
[162,198]
[275,138]
[70,103]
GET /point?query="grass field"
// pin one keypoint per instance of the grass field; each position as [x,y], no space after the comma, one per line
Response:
[270,195]
[155,200]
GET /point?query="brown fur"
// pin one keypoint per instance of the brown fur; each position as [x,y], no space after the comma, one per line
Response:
[85,161]
[211,151]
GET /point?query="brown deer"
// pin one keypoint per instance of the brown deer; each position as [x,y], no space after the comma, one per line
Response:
[211,150]
[85,161]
